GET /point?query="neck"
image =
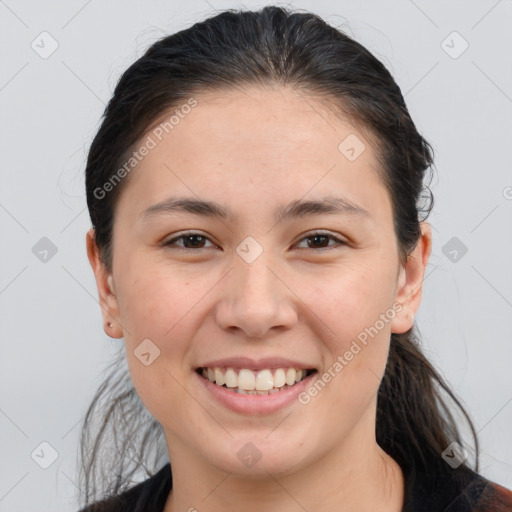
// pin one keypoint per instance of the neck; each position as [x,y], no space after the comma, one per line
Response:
[356,477]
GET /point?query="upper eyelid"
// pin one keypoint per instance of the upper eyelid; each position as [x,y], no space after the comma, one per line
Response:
[185,235]
[323,233]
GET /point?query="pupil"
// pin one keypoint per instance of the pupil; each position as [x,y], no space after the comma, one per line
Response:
[315,239]
[195,238]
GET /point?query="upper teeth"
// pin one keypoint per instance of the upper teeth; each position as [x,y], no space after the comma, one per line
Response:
[248,380]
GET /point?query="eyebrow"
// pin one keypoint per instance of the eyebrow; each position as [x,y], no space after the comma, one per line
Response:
[332,205]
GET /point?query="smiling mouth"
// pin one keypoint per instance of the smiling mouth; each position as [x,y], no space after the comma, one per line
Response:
[249,382]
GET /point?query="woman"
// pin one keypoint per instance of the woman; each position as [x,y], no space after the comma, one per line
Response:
[259,242]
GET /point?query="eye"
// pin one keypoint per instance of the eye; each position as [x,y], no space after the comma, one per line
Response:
[320,238]
[195,240]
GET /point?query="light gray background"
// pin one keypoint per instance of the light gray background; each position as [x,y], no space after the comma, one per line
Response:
[54,349]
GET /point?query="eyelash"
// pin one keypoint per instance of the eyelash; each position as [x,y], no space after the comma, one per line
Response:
[311,235]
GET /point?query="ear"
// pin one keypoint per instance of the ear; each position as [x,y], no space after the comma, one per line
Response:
[105,285]
[410,282]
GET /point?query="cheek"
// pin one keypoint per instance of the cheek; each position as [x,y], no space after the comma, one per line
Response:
[165,306]
[350,300]
[156,300]
[356,305]
[156,308]
[162,391]
[356,343]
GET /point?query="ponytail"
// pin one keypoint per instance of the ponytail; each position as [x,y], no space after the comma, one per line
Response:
[414,422]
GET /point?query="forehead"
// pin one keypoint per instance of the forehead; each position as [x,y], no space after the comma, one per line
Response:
[253,141]
[277,119]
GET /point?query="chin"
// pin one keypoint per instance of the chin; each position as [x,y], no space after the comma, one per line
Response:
[257,456]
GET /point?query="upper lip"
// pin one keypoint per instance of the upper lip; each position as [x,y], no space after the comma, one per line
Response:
[253,364]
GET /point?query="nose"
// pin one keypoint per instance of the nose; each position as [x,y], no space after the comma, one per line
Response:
[256,299]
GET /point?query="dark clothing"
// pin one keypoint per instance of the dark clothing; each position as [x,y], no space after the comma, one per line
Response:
[423,493]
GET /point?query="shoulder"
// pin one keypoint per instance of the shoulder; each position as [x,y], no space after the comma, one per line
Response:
[495,498]
[463,490]
[147,496]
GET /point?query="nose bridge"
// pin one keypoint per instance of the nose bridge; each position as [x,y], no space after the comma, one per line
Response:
[252,263]
[255,300]
[255,280]
[255,287]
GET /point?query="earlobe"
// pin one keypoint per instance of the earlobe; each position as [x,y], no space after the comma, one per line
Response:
[410,282]
[105,285]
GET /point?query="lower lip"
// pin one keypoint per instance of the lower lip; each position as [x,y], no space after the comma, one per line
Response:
[255,404]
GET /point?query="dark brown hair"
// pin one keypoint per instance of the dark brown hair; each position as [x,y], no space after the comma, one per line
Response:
[270,47]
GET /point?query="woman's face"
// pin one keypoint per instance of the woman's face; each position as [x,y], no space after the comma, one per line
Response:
[255,289]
